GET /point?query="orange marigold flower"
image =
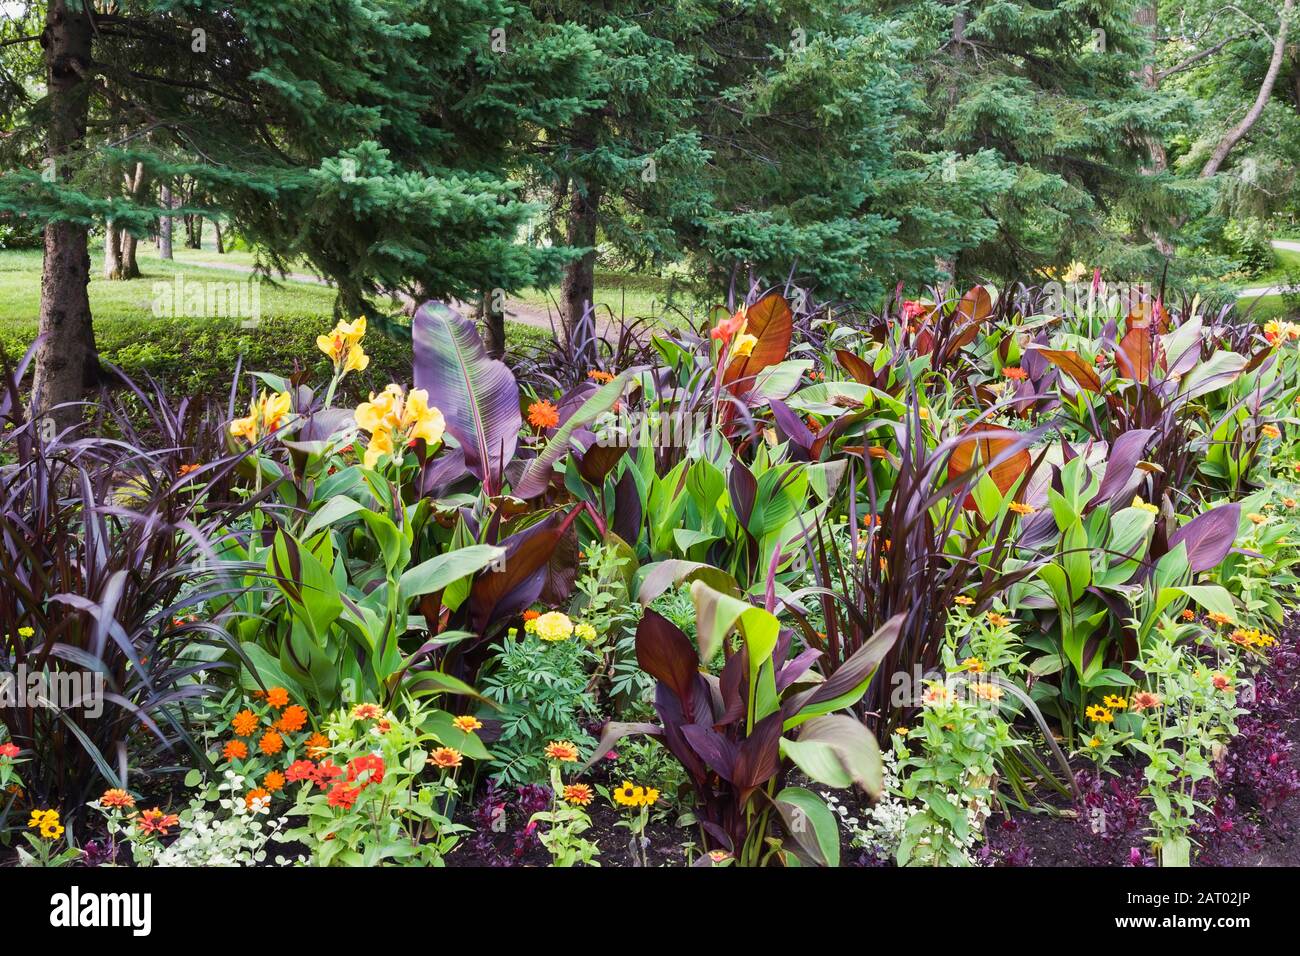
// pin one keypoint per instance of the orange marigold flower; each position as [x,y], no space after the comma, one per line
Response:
[542,414]
[448,758]
[273,781]
[254,795]
[271,743]
[277,697]
[235,750]
[578,793]
[293,719]
[116,798]
[561,750]
[1015,372]
[245,723]
[317,746]
[597,375]
[367,711]
[466,723]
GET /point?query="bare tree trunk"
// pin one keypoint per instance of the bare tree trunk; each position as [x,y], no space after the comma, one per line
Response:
[112,251]
[1148,15]
[1234,135]
[494,320]
[65,360]
[221,248]
[579,283]
[135,184]
[165,224]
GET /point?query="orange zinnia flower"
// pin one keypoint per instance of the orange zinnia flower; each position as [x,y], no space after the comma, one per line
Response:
[1021,508]
[271,743]
[542,414]
[466,723]
[293,719]
[1145,700]
[245,723]
[116,798]
[448,758]
[188,469]
[998,620]
[561,750]
[274,781]
[596,375]
[1015,372]
[317,746]
[578,793]
[235,750]
[367,711]
[1214,617]
[277,697]
[155,821]
[258,794]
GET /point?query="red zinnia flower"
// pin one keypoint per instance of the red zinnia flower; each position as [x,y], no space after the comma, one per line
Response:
[369,762]
[343,796]
[9,750]
[300,770]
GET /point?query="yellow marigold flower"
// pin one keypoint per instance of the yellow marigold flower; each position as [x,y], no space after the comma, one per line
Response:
[1144,505]
[245,723]
[1270,431]
[1099,714]
[447,758]
[998,620]
[743,345]
[963,600]
[264,417]
[585,631]
[1021,508]
[466,723]
[553,626]
[561,750]
[578,793]
[1256,518]
[343,346]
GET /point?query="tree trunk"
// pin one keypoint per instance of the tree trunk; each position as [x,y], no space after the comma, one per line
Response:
[135,185]
[579,282]
[1234,135]
[494,320]
[65,361]
[221,248]
[1148,16]
[112,251]
[165,224]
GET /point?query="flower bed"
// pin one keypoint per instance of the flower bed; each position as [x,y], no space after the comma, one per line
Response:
[963,583]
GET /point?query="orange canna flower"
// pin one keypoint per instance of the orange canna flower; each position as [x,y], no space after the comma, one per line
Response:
[726,330]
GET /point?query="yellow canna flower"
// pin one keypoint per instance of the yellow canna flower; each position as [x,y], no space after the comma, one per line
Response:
[381,443]
[264,417]
[395,419]
[343,346]
[743,345]
[1145,506]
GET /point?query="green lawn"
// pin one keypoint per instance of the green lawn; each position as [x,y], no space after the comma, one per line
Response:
[196,354]
[620,295]
[1285,273]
